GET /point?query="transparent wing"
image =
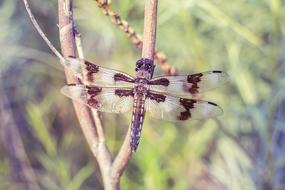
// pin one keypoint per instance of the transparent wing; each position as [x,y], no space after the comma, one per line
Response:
[92,74]
[104,99]
[188,85]
[173,108]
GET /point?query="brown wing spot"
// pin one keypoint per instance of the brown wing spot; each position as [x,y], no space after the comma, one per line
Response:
[161,81]
[93,102]
[120,92]
[194,80]
[157,97]
[72,84]
[91,69]
[188,104]
[184,115]
[92,92]
[122,77]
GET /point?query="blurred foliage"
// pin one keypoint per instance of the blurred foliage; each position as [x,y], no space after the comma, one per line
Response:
[244,149]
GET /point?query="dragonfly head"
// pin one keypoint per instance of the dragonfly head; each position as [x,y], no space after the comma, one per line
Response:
[145,68]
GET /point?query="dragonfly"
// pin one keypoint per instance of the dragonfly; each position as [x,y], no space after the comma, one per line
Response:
[172,98]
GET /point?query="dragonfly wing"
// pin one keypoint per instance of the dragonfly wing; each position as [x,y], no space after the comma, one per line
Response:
[92,74]
[174,108]
[104,99]
[188,85]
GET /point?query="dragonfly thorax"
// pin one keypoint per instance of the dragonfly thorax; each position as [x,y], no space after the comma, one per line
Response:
[140,89]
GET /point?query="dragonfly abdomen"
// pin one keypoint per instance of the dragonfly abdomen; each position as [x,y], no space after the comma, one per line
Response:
[137,119]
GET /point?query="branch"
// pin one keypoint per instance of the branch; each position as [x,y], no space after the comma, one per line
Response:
[121,161]
[125,152]
[67,40]
[95,114]
[149,33]
[40,31]
[68,49]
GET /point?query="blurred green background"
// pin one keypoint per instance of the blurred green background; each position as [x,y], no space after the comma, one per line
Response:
[244,149]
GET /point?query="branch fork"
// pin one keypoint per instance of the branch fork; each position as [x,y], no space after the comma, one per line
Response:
[89,120]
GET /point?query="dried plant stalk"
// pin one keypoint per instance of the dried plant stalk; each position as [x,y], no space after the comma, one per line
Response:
[160,57]
[150,19]
[149,33]
[97,120]
[98,148]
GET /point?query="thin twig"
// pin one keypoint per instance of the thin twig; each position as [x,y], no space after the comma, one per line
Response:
[40,31]
[135,38]
[101,151]
[95,114]
[123,25]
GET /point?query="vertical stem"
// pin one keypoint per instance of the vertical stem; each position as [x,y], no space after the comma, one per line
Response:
[68,49]
[67,44]
[120,163]
[67,41]
[149,34]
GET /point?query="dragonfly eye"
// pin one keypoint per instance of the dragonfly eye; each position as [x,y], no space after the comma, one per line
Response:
[139,64]
[145,64]
[149,66]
